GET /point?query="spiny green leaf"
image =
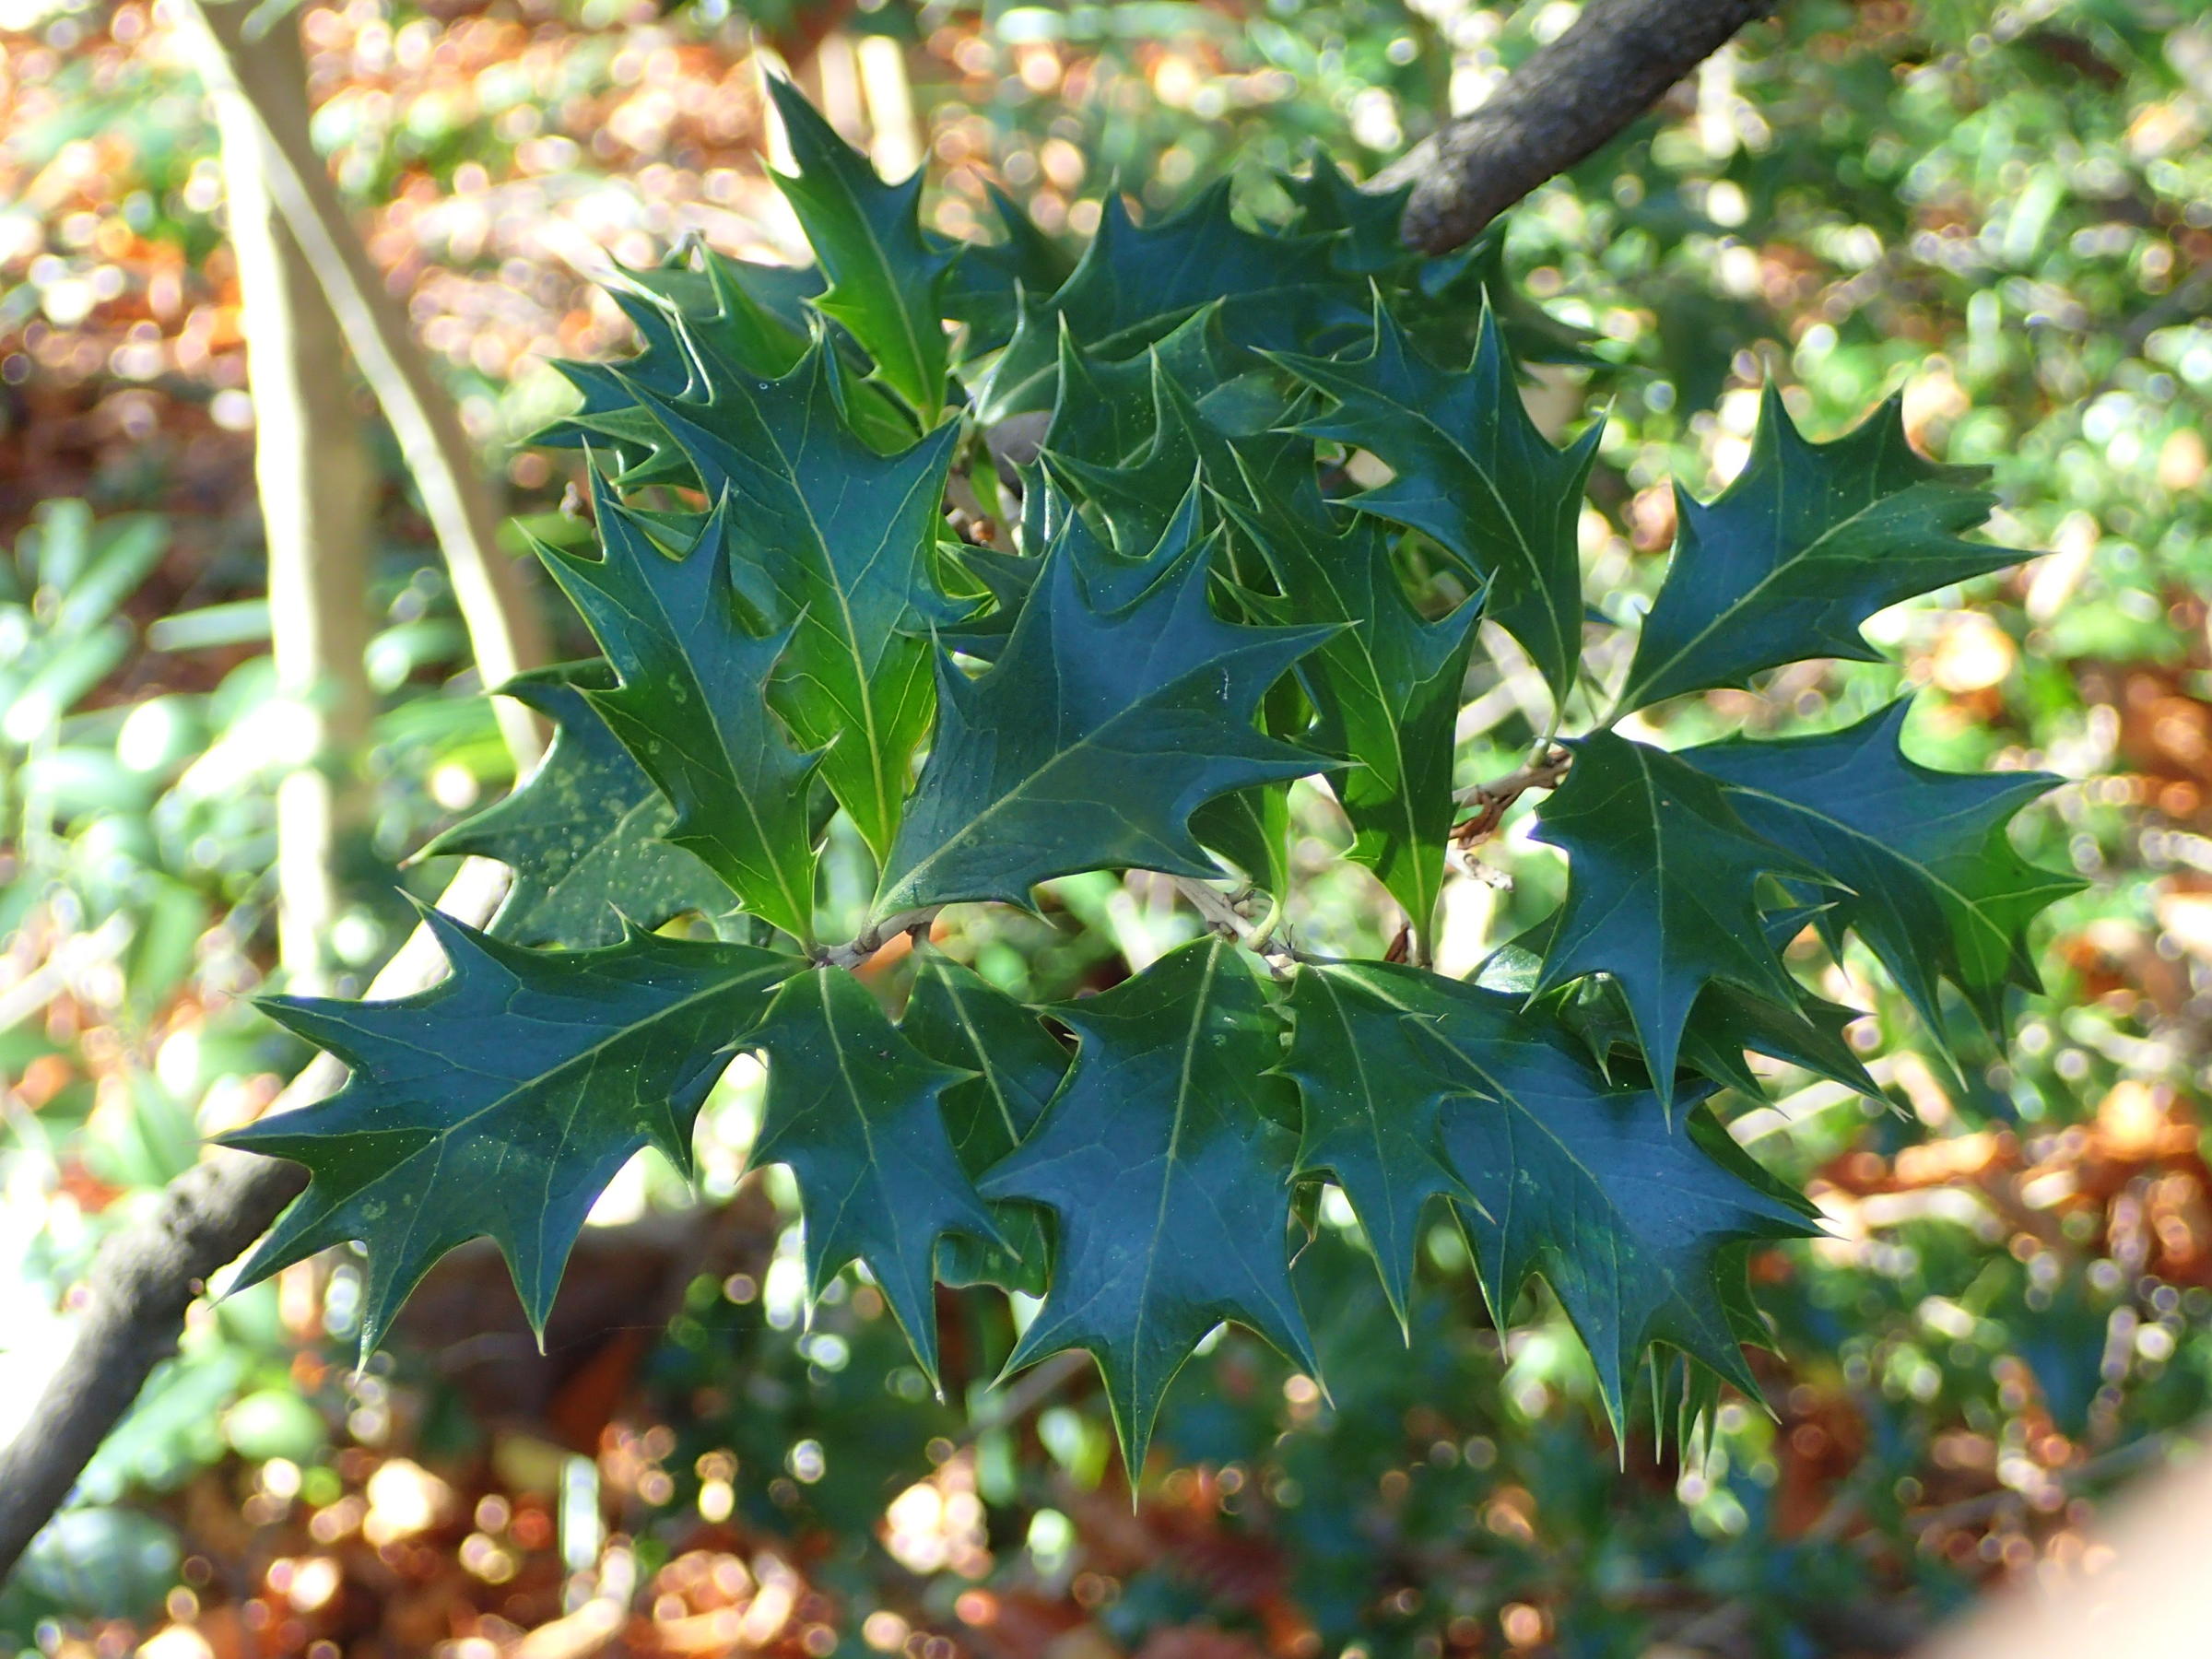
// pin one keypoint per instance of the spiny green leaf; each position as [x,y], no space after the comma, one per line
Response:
[988,281]
[1126,437]
[1937,889]
[500,1103]
[1091,740]
[1251,829]
[584,833]
[1726,1022]
[886,281]
[749,315]
[690,707]
[1627,1212]
[1472,471]
[1165,1160]
[1662,889]
[1809,542]
[960,1020]
[1723,1022]
[1135,285]
[1372,1102]
[838,543]
[1386,687]
[857,1113]
[1328,200]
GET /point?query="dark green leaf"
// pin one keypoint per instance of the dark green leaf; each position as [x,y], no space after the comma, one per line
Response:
[1386,686]
[1372,1099]
[690,710]
[1474,472]
[857,1113]
[1091,740]
[1627,1211]
[1166,1164]
[1135,285]
[1809,542]
[836,542]
[1251,829]
[584,833]
[886,281]
[500,1103]
[1937,889]
[1723,1022]
[957,1018]
[749,315]
[1328,200]
[989,280]
[1662,889]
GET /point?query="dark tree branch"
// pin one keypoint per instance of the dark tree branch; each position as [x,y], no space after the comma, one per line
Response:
[1616,61]
[144,1277]
[135,1303]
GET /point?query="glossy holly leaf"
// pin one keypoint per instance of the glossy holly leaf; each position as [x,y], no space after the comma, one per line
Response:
[750,316]
[960,1019]
[584,833]
[1809,542]
[886,281]
[1662,889]
[1327,199]
[1127,436]
[1107,412]
[690,710]
[1373,1100]
[1629,1213]
[1006,578]
[1472,471]
[1936,888]
[837,543]
[1385,687]
[1165,1160]
[989,280]
[858,1115]
[1135,284]
[1092,739]
[1725,1021]
[1252,830]
[500,1103]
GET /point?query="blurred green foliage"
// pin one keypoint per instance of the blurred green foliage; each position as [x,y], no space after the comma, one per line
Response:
[2001,209]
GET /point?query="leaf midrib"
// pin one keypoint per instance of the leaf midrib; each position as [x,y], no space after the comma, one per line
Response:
[1635,689]
[880,256]
[1014,794]
[832,577]
[1167,1178]
[584,1057]
[800,911]
[1970,906]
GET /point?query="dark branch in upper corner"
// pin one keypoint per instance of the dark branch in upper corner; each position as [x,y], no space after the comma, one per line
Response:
[1616,62]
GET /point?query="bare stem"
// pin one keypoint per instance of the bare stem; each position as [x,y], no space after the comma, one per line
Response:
[870,940]
[1220,913]
[1492,800]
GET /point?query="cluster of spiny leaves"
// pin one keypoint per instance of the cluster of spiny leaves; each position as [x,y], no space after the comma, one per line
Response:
[1177,622]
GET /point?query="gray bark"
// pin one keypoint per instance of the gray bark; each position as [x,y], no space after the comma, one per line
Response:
[134,1299]
[1615,60]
